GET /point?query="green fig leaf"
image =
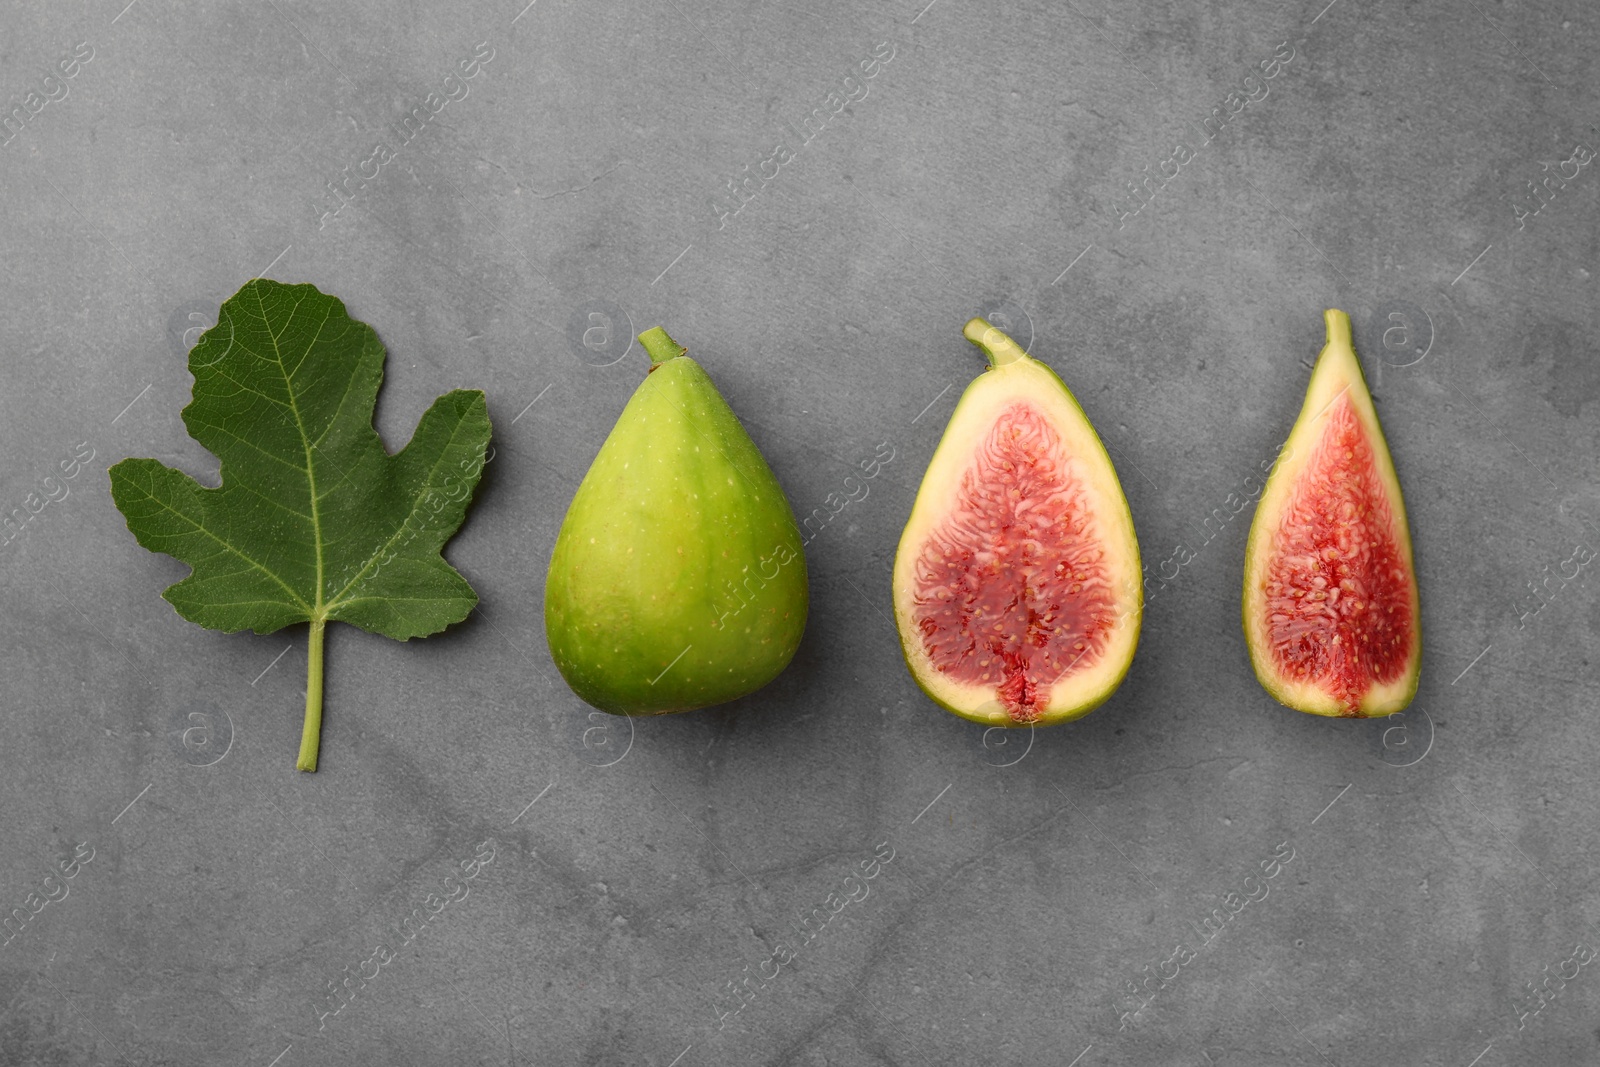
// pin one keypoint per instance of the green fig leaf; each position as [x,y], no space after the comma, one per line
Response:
[314,521]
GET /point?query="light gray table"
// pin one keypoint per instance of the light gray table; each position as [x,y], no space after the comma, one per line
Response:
[512,235]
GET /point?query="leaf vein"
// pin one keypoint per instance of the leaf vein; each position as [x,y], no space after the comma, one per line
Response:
[230,549]
[416,504]
[247,443]
[305,442]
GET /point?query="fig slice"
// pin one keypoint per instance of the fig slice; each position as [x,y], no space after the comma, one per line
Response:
[1331,613]
[1017,585]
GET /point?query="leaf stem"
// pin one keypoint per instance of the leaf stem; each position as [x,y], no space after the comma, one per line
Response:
[311,733]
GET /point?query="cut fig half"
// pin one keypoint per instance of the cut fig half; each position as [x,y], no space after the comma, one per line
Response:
[1017,585]
[1331,612]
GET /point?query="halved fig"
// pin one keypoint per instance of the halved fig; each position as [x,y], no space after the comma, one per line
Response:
[1017,585]
[1331,612]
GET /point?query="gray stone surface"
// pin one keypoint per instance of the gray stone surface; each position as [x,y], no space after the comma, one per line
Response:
[1441,863]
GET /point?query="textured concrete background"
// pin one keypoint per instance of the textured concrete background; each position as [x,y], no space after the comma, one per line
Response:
[634,879]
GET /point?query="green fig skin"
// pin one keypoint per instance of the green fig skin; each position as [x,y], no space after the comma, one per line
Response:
[678,580]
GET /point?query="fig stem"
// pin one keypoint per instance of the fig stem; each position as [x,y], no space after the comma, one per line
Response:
[659,347]
[1337,324]
[995,344]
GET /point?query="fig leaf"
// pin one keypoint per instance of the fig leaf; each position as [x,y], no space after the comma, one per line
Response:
[314,521]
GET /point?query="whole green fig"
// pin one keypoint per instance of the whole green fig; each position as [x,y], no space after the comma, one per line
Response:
[678,579]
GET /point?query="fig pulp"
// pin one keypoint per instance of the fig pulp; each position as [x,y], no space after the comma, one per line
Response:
[1017,586]
[1331,614]
[678,580]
